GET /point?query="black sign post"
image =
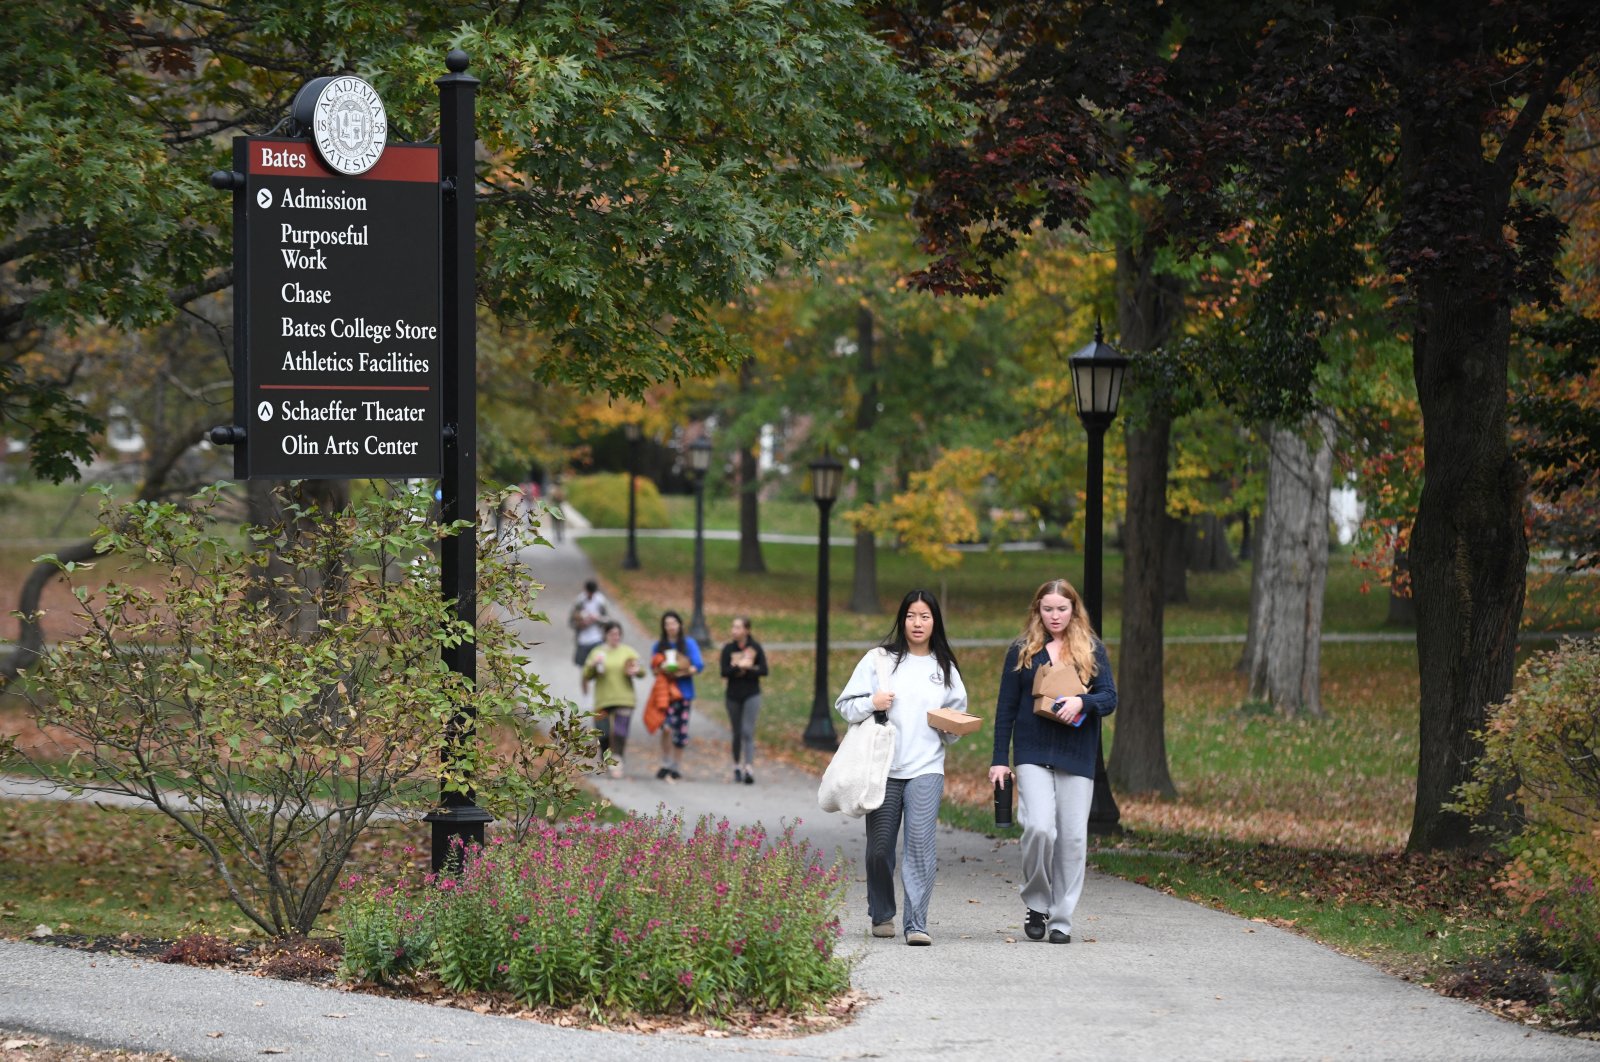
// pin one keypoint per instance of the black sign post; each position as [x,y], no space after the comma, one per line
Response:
[355,329]
[459,815]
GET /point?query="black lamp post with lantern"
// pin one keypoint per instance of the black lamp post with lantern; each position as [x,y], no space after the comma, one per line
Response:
[699,465]
[1097,375]
[826,474]
[630,431]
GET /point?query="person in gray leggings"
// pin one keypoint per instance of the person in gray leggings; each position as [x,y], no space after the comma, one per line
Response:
[743,664]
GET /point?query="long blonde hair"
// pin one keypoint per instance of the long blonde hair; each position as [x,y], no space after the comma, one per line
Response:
[1079,636]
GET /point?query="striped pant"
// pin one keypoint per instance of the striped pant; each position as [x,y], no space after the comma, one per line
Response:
[915,802]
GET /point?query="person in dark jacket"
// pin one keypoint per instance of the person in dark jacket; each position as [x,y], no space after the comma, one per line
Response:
[743,664]
[1054,755]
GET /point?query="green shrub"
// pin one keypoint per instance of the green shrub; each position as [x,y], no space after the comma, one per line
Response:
[632,917]
[1543,745]
[272,692]
[603,500]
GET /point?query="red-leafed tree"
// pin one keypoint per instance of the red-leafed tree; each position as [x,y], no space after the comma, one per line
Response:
[1426,126]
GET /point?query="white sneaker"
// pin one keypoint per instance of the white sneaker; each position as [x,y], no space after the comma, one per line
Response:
[616,770]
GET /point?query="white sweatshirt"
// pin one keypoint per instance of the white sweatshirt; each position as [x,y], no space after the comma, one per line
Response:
[917,686]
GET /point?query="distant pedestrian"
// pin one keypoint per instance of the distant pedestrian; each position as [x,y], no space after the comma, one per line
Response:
[612,667]
[913,671]
[744,662]
[1058,664]
[587,618]
[681,662]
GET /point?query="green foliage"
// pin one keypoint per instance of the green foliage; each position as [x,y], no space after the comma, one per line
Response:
[635,917]
[273,692]
[641,162]
[1543,744]
[603,500]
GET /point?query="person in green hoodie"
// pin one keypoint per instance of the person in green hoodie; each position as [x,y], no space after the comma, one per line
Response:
[612,667]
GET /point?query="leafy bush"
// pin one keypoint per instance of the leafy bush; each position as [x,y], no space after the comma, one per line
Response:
[276,690]
[630,917]
[603,500]
[1543,744]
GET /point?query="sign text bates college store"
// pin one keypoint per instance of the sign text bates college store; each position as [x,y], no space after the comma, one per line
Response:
[338,304]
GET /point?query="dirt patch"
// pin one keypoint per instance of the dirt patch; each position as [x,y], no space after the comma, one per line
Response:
[19,1046]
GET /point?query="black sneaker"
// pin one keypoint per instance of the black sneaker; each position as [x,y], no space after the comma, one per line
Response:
[749,779]
[663,773]
[738,775]
[676,774]
[1034,925]
[1058,937]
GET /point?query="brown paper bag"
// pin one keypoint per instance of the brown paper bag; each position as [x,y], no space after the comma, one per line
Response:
[1051,682]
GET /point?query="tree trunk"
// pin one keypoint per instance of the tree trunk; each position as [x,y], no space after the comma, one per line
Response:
[1148,306]
[751,561]
[1205,545]
[1174,573]
[864,583]
[1283,651]
[30,635]
[1469,550]
[1402,599]
[295,593]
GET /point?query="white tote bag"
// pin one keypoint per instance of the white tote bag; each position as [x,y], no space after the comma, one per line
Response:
[858,775]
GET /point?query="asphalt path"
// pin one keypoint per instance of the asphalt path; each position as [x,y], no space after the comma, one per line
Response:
[1147,976]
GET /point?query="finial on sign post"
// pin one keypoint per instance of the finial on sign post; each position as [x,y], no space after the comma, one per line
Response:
[457,61]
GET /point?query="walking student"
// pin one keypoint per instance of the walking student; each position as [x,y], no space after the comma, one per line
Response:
[681,662]
[612,667]
[912,672]
[743,664]
[1058,665]
[589,614]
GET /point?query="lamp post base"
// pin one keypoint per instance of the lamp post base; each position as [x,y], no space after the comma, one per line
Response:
[819,732]
[1105,818]
[466,821]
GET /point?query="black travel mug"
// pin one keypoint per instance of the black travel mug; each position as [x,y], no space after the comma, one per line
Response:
[1003,794]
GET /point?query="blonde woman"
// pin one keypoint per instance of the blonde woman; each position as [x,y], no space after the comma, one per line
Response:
[1058,664]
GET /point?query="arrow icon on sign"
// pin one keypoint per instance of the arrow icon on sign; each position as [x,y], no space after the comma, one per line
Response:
[264,411]
[264,198]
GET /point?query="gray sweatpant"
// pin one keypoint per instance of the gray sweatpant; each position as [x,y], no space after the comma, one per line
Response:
[915,802]
[1055,840]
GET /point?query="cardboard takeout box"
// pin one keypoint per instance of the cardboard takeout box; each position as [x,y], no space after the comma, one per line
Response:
[953,722]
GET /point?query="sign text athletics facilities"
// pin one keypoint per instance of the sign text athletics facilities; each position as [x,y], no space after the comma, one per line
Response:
[340,373]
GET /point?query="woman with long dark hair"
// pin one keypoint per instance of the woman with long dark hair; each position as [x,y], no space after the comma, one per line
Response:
[681,662]
[1057,664]
[912,672]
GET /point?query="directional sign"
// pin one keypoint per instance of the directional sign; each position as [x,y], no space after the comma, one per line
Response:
[339,373]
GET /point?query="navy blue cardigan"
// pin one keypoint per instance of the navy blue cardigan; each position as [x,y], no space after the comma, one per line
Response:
[1043,741]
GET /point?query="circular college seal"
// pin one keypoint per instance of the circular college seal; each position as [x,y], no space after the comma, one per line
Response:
[347,121]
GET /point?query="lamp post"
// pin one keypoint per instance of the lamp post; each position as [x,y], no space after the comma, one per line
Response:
[825,476]
[1097,374]
[630,430]
[699,464]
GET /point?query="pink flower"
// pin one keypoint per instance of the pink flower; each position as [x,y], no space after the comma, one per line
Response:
[516,934]
[737,947]
[686,979]
[446,884]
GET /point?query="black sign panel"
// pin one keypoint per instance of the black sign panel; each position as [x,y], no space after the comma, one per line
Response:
[339,373]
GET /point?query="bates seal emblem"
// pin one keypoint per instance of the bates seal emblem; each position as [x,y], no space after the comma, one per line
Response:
[346,120]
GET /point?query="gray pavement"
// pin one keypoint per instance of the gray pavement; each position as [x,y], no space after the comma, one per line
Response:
[1146,977]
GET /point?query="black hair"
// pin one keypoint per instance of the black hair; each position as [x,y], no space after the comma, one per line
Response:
[610,625]
[937,642]
[683,633]
[590,586]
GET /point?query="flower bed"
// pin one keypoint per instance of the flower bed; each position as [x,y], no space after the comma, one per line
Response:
[635,917]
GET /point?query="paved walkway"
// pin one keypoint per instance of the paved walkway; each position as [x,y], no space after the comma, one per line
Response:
[1146,977]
